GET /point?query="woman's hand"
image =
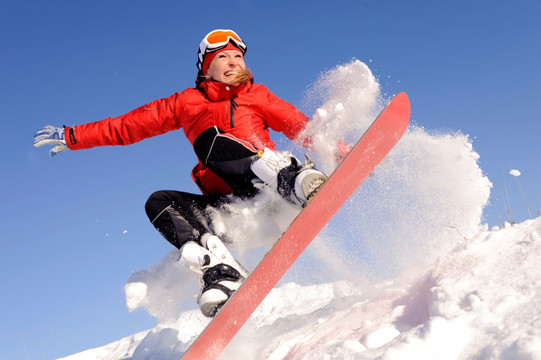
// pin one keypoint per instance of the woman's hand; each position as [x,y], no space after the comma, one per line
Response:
[51,135]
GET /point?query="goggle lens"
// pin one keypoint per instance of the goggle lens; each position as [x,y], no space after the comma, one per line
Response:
[219,37]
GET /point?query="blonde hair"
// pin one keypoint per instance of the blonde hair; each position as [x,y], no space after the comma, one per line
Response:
[241,77]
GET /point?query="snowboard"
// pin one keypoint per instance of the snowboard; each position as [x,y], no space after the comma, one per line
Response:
[373,146]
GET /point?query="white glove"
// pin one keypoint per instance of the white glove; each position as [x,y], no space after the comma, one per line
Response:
[51,135]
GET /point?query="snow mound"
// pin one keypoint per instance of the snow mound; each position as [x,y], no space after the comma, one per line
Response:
[478,301]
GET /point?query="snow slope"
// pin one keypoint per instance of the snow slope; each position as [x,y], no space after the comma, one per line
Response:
[405,270]
[479,301]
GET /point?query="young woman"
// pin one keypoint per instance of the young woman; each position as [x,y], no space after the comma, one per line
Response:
[226,118]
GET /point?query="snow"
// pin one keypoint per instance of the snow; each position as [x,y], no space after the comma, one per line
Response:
[406,270]
[480,300]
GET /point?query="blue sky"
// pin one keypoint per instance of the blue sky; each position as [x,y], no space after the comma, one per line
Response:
[73,227]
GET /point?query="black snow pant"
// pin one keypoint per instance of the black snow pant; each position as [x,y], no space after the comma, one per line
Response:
[182,217]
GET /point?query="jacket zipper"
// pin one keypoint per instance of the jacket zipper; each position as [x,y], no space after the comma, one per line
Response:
[232,105]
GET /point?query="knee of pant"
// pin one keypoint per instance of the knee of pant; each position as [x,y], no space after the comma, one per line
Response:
[152,205]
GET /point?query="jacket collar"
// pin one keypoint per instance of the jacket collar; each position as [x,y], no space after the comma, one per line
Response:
[219,91]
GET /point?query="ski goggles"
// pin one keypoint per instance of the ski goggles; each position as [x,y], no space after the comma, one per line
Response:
[216,40]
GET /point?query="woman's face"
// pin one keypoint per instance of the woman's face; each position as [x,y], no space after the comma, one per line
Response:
[225,65]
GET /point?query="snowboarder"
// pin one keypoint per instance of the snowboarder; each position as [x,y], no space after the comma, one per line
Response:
[226,118]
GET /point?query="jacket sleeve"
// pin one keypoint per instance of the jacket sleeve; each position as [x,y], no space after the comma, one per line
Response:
[285,118]
[155,118]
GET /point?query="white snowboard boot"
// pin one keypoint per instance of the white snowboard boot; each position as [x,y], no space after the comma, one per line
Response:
[284,173]
[220,275]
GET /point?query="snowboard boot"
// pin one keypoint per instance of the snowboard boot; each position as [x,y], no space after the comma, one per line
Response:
[220,275]
[308,180]
[284,173]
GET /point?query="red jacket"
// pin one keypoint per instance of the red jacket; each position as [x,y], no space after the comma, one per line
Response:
[254,109]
